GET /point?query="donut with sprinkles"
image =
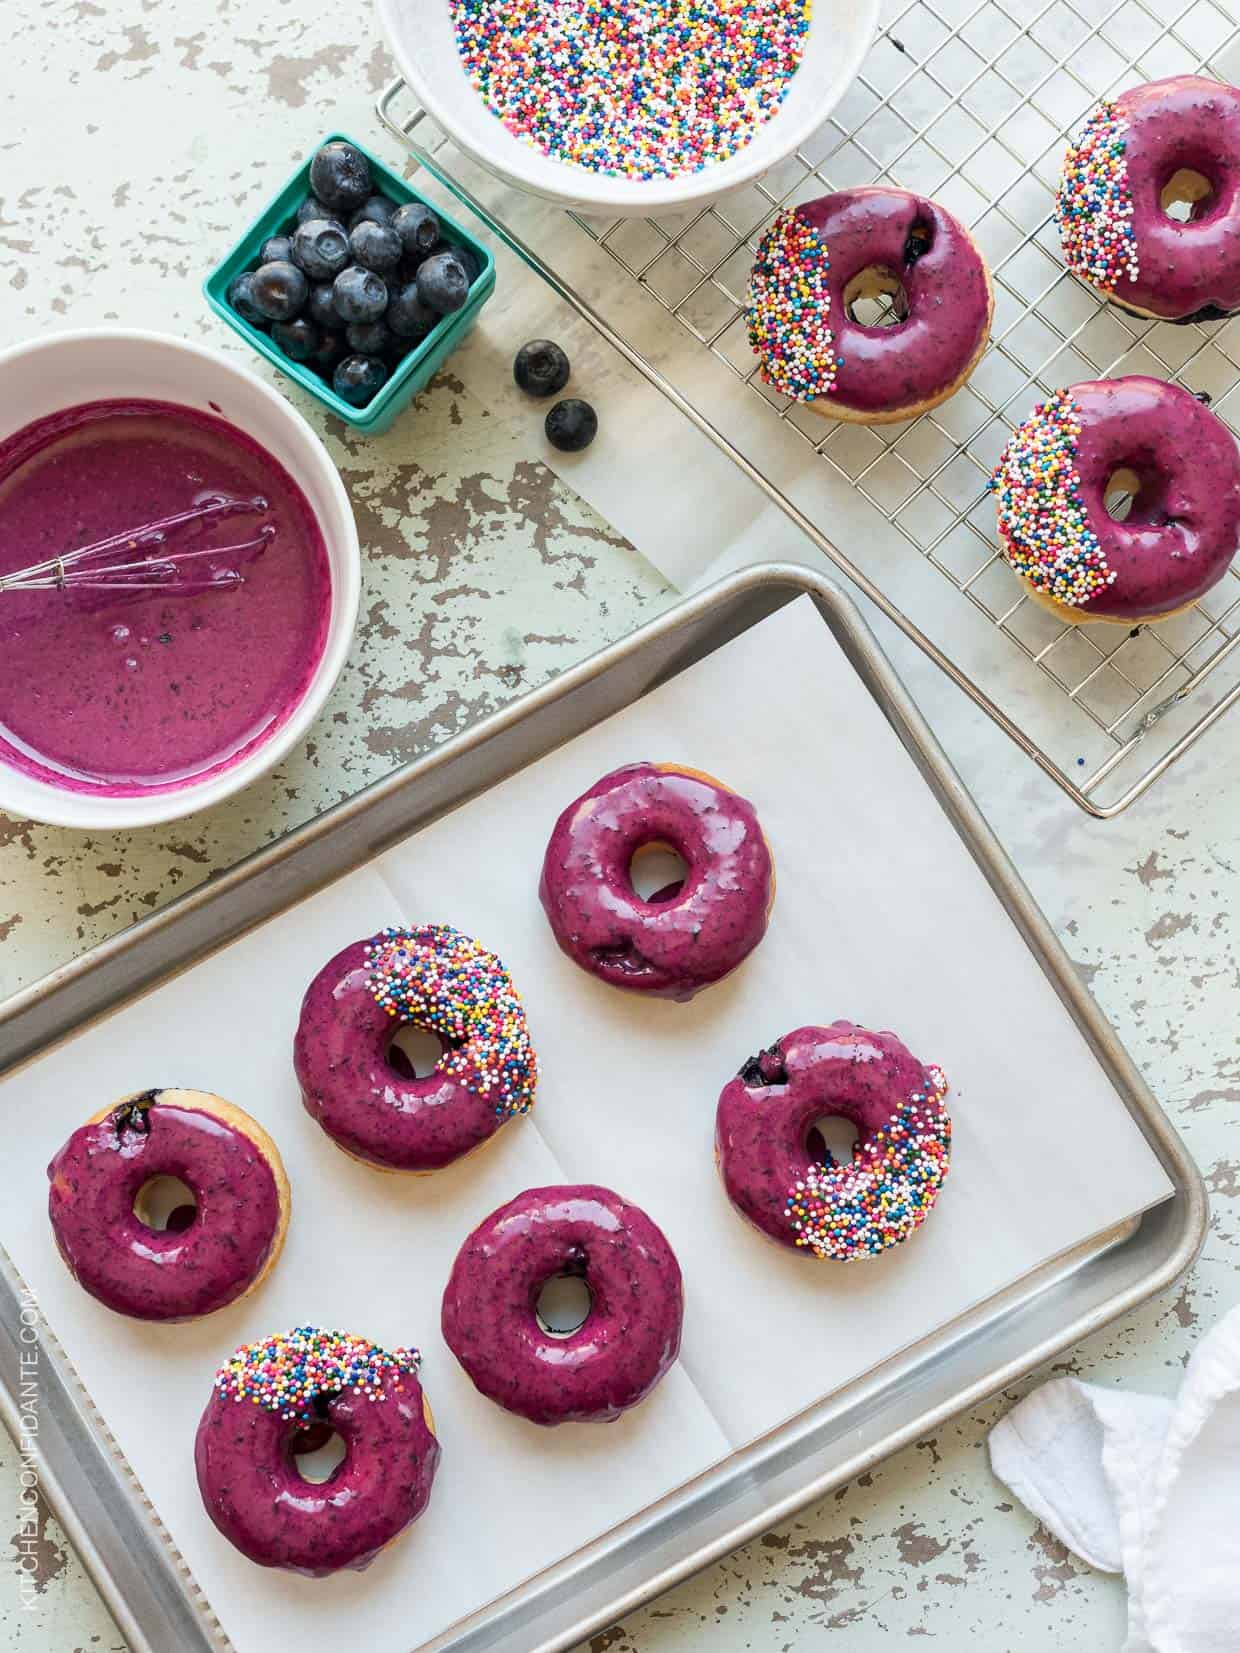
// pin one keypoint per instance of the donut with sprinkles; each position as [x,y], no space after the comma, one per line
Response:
[826,1209]
[870,305]
[362,1089]
[1119,500]
[286,1395]
[1148,204]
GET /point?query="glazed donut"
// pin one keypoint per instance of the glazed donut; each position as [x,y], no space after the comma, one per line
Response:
[628,1340]
[817,260]
[1182,530]
[686,936]
[431,977]
[305,1384]
[900,1159]
[206,1258]
[1116,234]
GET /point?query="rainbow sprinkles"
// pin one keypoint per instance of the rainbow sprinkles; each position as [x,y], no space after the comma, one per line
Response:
[789,311]
[444,981]
[289,1371]
[1043,521]
[886,1192]
[1094,205]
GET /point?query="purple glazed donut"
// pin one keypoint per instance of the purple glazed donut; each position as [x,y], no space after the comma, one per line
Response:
[209,1254]
[627,1341]
[818,260]
[431,977]
[290,1392]
[765,1118]
[687,936]
[1182,529]
[1116,233]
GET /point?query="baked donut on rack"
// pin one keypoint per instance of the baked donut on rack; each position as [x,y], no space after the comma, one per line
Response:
[629,1337]
[1148,205]
[287,1394]
[765,1119]
[868,305]
[438,979]
[1137,444]
[683,937]
[210,1252]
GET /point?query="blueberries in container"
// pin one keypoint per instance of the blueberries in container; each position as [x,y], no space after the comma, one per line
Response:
[417,227]
[375,246]
[443,282]
[407,316]
[277,249]
[321,249]
[278,290]
[319,306]
[299,339]
[359,295]
[242,300]
[378,209]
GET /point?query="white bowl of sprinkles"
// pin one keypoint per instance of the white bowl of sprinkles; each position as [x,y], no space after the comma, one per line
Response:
[629,108]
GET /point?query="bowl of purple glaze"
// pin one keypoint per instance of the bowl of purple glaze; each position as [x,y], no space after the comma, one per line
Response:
[678,110]
[179,578]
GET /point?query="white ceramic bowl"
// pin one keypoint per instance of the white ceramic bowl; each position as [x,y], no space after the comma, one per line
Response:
[419,33]
[62,370]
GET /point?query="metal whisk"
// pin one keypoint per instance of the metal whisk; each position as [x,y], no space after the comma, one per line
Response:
[141,561]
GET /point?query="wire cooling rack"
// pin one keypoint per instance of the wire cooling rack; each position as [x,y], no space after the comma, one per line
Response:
[971,104]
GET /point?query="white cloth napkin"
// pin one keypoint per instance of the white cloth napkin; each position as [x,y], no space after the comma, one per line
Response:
[1144,1486]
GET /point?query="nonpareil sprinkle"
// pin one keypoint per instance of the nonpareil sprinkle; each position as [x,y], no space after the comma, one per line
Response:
[789,311]
[632,88]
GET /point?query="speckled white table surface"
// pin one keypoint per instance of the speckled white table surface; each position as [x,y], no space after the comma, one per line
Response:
[138,138]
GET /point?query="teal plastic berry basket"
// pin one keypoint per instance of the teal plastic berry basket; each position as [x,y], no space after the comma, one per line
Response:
[415,369]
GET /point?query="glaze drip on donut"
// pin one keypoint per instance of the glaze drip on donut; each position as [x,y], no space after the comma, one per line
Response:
[1094,205]
[1043,520]
[885,1193]
[789,313]
[291,1371]
[446,982]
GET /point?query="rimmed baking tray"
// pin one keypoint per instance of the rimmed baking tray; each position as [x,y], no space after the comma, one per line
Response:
[118,1533]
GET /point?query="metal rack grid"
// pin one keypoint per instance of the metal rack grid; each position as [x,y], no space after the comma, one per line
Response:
[965,102]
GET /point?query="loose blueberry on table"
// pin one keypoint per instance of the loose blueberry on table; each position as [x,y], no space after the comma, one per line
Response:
[571,425]
[353,282]
[541,368]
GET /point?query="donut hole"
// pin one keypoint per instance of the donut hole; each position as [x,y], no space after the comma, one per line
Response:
[415,1052]
[317,1452]
[875,297]
[165,1204]
[1121,494]
[1186,195]
[563,1305]
[657,873]
[831,1139]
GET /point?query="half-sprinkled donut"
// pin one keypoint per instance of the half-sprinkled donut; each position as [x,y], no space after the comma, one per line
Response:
[897,255]
[431,977]
[830,1210]
[684,937]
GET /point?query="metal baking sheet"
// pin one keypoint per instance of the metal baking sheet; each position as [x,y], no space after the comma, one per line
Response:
[140,1575]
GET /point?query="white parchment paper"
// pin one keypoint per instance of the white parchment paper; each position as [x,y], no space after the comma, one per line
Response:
[880,916]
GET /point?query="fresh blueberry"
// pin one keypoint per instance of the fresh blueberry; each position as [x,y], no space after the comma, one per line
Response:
[571,425]
[319,306]
[377,210]
[299,338]
[277,249]
[358,378]
[242,299]
[359,295]
[473,267]
[332,350]
[375,246]
[417,227]
[321,249]
[312,207]
[541,368]
[278,290]
[407,316]
[340,176]
[373,338]
[443,282]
